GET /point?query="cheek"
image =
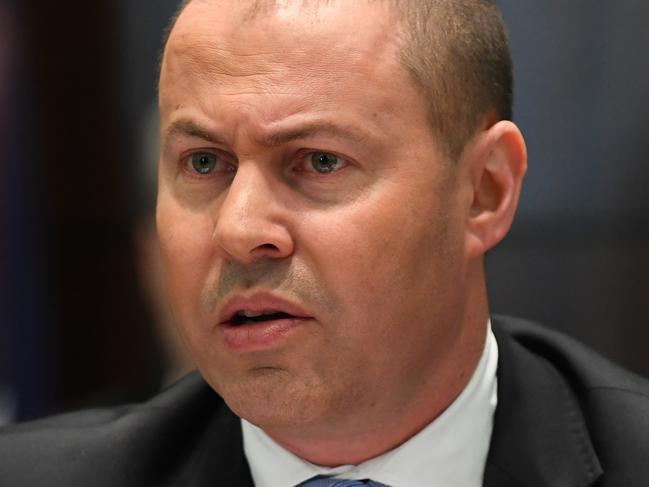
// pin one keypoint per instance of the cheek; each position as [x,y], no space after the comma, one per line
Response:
[187,252]
[390,263]
[381,248]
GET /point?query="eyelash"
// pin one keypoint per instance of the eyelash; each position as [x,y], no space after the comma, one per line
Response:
[186,166]
[303,157]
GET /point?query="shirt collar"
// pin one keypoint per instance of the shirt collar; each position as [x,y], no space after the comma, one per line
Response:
[460,436]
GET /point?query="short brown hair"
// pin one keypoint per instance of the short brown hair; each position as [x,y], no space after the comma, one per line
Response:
[457,51]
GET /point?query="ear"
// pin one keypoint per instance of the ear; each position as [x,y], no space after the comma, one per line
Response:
[496,163]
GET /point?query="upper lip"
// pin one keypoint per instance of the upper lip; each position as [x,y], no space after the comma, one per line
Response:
[258,303]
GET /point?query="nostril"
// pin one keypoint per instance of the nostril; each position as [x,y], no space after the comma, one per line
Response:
[269,250]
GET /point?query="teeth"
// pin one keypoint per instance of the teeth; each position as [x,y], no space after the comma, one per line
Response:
[250,314]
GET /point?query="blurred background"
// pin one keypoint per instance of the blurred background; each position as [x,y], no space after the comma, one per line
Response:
[81,319]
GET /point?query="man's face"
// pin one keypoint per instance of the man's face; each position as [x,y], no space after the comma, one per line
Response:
[299,177]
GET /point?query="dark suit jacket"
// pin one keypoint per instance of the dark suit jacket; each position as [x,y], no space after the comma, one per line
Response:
[565,418]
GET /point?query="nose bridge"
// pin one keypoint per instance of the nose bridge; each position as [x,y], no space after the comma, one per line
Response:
[243,198]
[247,224]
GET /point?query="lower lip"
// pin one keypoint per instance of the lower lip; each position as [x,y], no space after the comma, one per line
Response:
[251,337]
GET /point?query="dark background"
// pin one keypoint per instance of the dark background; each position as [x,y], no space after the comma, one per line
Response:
[77,80]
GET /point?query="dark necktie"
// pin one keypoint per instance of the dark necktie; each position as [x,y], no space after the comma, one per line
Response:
[329,482]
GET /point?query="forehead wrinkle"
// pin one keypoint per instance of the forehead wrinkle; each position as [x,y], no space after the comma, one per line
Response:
[241,74]
[206,59]
[237,73]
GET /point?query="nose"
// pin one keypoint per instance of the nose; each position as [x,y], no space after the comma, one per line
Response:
[249,224]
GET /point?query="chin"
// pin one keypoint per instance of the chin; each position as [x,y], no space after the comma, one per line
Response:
[274,399]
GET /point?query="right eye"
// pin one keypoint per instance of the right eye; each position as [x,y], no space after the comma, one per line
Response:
[205,164]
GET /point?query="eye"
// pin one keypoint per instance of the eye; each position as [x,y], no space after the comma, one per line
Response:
[323,162]
[203,162]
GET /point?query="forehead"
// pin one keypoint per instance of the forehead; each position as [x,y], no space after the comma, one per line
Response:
[349,23]
[327,60]
[307,43]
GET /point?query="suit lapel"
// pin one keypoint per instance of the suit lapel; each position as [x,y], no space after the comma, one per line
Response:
[221,461]
[540,437]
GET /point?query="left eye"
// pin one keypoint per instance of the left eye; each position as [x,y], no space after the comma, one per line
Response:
[203,162]
[323,162]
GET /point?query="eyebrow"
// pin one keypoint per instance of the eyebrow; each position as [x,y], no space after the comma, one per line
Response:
[189,128]
[313,129]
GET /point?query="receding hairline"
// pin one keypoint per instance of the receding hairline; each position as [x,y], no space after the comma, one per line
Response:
[456,51]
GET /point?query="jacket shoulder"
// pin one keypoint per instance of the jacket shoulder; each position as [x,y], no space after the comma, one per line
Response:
[586,367]
[614,402]
[129,445]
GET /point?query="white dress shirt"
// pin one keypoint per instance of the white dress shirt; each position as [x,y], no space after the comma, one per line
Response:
[449,452]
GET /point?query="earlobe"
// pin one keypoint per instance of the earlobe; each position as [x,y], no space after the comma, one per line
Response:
[497,164]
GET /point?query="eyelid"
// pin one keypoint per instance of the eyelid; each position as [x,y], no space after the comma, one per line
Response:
[184,162]
[305,153]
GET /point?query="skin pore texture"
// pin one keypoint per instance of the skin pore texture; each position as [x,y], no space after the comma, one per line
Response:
[381,248]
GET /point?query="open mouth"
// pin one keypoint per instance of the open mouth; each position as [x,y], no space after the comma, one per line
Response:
[245,317]
[261,321]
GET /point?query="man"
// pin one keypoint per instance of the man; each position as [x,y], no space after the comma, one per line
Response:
[331,176]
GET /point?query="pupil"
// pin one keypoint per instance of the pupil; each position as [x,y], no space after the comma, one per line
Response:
[203,163]
[323,162]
